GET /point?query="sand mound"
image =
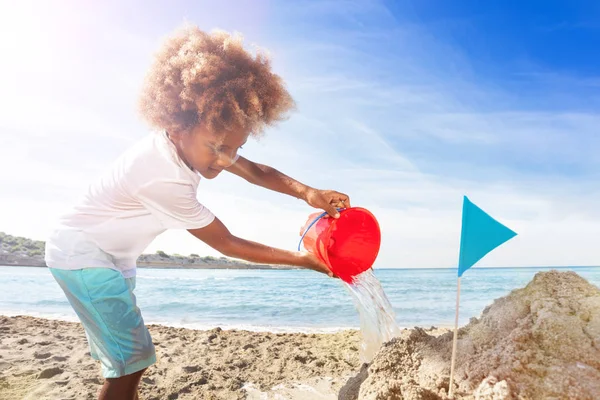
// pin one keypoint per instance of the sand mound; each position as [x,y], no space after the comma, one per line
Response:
[539,342]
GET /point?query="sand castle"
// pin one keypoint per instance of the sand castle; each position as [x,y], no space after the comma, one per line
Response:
[538,342]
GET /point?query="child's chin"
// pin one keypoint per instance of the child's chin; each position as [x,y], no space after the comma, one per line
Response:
[210,173]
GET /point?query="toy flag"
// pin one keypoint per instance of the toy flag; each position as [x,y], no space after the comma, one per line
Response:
[480,234]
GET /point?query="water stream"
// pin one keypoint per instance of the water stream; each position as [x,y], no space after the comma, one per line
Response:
[377,317]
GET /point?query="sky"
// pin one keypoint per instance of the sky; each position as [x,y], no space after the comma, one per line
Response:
[406,106]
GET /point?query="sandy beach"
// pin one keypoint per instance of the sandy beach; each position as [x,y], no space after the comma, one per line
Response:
[49,359]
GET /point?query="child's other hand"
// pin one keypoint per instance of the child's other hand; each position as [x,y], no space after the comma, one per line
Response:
[328,200]
[311,261]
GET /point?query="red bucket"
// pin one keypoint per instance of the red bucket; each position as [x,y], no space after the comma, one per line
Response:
[349,245]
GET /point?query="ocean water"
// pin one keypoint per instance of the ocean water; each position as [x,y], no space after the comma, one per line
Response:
[280,301]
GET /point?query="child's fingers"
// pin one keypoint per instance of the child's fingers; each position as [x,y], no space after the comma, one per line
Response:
[343,203]
[343,200]
[347,202]
[332,211]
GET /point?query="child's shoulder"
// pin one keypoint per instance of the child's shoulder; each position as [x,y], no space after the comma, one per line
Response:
[150,149]
[151,157]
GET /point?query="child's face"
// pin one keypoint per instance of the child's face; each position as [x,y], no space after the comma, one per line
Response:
[209,153]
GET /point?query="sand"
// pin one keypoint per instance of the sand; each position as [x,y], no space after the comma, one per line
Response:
[47,359]
[539,342]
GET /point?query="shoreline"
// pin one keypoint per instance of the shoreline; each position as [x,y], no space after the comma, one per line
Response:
[241,327]
[179,266]
[291,268]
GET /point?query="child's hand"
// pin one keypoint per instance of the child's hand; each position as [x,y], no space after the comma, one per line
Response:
[311,261]
[328,200]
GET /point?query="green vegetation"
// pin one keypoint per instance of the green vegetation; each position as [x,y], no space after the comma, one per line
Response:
[16,245]
[24,247]
[162,254]
[20,251]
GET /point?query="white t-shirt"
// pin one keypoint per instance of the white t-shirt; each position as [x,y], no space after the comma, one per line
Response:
[147,190]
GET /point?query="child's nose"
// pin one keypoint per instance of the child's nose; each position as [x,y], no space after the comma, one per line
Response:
[225,160]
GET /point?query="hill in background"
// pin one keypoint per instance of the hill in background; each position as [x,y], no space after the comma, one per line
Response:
[21,251]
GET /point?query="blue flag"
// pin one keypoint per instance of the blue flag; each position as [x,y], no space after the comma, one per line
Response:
[480,234]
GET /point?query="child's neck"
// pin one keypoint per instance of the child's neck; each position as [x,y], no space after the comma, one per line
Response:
[179,152]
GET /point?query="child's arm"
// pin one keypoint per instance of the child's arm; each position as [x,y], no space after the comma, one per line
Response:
[217,236]
[270,178]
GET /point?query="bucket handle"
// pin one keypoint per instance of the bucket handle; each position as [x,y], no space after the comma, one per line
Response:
[310,226]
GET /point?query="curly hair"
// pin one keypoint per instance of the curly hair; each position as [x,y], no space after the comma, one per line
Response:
[209,79]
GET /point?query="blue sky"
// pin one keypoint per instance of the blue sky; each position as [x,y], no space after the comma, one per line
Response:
[406,106]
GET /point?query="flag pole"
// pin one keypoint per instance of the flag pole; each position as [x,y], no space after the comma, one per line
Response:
[451,386]
[480,234]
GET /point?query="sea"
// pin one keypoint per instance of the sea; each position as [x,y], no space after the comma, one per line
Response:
[280,300]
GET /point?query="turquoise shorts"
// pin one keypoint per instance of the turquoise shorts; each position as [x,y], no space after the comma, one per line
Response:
[106,306]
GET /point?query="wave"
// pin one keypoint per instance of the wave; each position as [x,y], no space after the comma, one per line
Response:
[253,328]
[68,317]
[198,279]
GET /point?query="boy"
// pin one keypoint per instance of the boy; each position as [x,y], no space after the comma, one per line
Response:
[206,95]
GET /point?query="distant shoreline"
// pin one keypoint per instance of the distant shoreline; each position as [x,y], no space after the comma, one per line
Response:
[172,266]
[16,251]
[284,268]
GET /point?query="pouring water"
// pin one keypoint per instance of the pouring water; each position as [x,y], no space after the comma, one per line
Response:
[349,245]
[377,317]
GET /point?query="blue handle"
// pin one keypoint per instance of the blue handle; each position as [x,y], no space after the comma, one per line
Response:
[310,226]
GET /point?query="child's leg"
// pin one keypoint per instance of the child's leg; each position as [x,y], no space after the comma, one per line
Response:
[123,388]
[104,302]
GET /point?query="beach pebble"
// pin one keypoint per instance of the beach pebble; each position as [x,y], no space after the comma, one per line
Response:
[211,337]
